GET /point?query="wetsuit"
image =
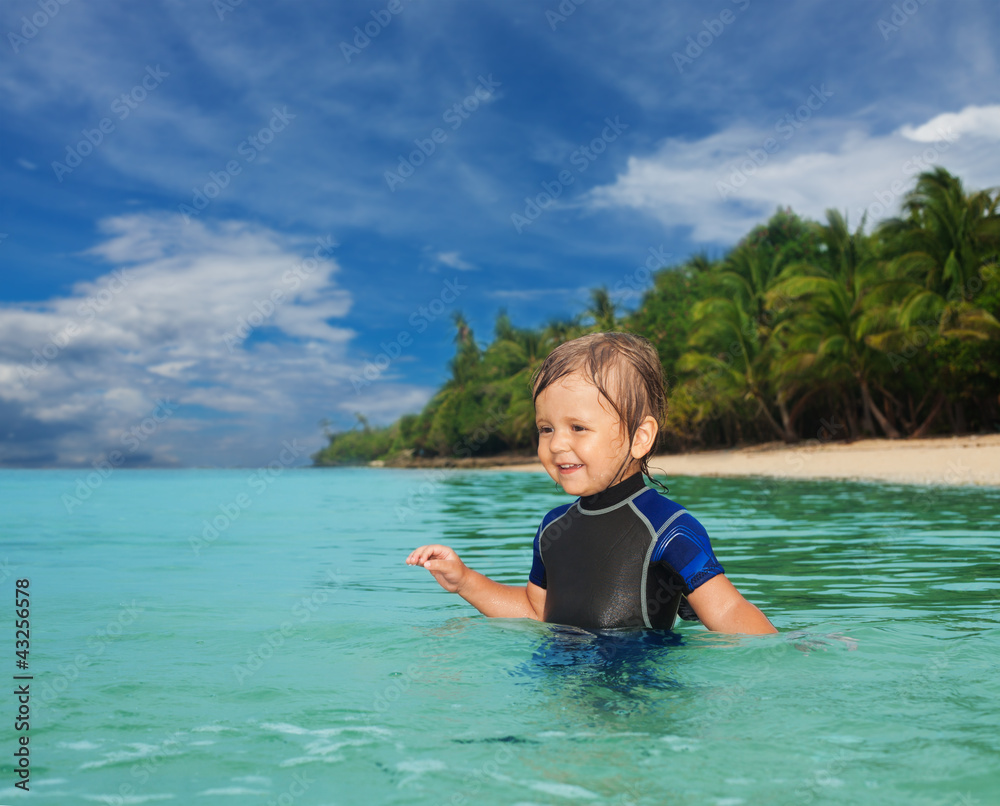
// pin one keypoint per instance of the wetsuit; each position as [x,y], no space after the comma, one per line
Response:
[624,557]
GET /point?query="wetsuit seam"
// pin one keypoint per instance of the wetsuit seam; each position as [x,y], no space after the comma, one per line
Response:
[669,521]
[644,603]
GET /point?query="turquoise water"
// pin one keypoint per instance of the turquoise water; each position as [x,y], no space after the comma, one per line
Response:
[292,657]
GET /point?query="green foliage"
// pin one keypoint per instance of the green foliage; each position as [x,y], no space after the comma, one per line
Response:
[803,329]
[358,446]
[664,314]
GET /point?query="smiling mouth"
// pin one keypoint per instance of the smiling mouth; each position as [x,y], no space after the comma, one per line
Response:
[568,468]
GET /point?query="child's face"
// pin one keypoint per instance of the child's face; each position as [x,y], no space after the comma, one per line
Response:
[581,441]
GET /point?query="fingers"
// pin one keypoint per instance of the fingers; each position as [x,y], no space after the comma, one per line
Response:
[420,556]
[443,563]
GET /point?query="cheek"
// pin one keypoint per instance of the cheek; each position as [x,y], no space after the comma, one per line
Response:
[619,442]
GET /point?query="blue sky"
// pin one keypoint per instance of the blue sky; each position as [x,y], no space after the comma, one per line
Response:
[221,223]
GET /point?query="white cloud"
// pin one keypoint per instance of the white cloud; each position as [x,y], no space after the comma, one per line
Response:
[171,369]
[382,408]
[978,121]
[454,260]
[229,323]
[724,184]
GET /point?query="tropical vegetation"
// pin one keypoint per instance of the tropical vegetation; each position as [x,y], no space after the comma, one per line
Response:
[804,330]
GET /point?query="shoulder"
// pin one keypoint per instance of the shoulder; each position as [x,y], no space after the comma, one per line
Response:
[661,513]
[554,523]
[553,515]
[681,541]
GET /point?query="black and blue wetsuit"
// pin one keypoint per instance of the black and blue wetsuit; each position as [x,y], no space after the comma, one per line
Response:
[621,558]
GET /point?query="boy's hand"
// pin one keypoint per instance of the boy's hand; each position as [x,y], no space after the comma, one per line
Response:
[443,563]
[488,597]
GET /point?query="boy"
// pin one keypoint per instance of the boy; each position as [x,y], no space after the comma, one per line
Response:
[620,555]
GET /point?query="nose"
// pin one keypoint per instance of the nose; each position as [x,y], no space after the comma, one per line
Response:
[560,441]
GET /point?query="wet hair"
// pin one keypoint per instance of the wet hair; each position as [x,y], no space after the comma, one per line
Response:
[625,368]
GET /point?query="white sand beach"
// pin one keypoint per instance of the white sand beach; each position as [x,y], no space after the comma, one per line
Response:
[966,460]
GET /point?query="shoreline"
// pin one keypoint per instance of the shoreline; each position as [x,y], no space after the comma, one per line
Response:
[949,461]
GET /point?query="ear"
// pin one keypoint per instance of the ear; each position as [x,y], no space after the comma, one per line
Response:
[645,436]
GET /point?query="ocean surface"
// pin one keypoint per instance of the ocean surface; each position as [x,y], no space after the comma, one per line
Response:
[254,637]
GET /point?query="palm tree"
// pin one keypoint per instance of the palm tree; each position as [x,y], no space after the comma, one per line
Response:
[748,273]
[603,310]
[737,326]
[559,330]
[728,361]
[829,321]
[446,413]
[510,362]
[939,253]
[467,354]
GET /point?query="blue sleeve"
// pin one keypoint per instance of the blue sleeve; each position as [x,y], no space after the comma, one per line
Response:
[686,548]
[537,575]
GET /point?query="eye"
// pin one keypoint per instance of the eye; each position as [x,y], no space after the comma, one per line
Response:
[579,428]
[544,429]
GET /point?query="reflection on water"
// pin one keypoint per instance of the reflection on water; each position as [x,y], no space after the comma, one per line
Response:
[577,675]
[616,660]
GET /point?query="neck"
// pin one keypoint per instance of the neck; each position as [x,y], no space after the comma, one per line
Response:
[614,494]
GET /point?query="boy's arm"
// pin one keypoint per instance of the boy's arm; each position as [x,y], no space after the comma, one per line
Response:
[488,597]
[722,608]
